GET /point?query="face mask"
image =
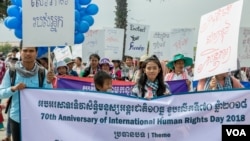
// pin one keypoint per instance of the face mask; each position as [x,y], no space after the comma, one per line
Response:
[109,90]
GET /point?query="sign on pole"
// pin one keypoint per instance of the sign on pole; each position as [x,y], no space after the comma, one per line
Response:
[182,41]
[114,43]
[48,23]
[94,43]
[136,40]
[159,45]
[62,53]
[244,47]
[77,51]
[218,41]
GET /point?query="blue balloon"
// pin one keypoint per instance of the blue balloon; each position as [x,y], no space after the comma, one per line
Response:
[6,21]
[83,27]
[82,12]
[19,33]
[76,26]
[12,23]
[77,5]
[79,38]
[13,10]
[84,2]
[88,19]
[77,16]
[18,3]
[92,9]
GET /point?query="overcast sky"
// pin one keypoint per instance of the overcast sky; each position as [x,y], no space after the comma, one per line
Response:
[161,15]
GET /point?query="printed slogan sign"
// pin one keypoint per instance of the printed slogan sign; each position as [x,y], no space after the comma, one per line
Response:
[244,47]
[159,44]
[93,43]
[63,115]
[218,41]
[136,40]
[114,43]
[182,41]
[48,23]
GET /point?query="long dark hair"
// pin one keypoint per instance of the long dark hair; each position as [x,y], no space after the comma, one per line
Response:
[143,78]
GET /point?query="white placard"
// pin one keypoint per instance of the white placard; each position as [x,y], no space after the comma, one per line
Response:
[77,51]
[136,40]
[63,115]
[94,43]
[48,23]
[159,45]
[244,47]
[62,53]
[182,42]
[114,43]
[218,41]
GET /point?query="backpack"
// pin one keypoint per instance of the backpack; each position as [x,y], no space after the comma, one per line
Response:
[12,73]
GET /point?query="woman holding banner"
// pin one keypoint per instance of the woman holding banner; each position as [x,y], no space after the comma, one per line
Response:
[151,83]
[222,81]
[177,65]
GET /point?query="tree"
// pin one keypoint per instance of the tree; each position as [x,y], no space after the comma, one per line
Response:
[5,48]
[3,9]
[121,18]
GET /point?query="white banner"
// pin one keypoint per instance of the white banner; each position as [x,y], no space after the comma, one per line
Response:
[114,43]
[244,47]
[50,115]
[62,53]
[93,43]
[159,45]
[48,23]
[136,40]
[218,41]
[182,41]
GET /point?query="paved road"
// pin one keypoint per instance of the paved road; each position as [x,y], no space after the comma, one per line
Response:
[3,133]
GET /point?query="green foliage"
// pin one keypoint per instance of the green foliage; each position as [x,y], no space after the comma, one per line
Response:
[3,9]
[5,48]
[121,14]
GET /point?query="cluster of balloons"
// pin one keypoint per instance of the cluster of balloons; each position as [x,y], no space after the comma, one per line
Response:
[14,19]
[84,11]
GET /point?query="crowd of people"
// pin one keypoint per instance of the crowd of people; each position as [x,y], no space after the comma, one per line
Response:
[149,74]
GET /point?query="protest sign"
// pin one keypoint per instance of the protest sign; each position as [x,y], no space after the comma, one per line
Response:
[159,45]
[218,41]
[244,47]
[136,40]
[48,23]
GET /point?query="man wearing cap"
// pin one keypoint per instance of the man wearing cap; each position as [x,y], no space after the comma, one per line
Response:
[178,65]
[70,63]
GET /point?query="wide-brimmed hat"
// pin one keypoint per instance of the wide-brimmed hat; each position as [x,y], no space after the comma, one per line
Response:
[144,57]
[68,60]
[61,64]
[106,61]
[187,61]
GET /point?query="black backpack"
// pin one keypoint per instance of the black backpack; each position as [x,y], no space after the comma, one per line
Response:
[12,73]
